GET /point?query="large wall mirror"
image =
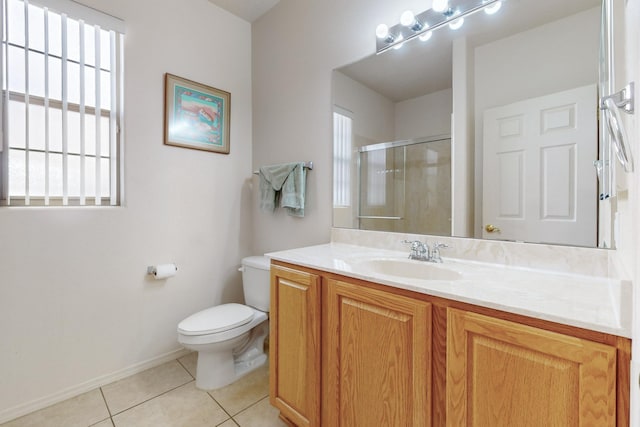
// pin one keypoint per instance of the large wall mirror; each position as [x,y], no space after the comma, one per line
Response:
[489,131]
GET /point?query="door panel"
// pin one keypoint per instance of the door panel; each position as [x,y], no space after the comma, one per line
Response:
[504,374]
[379,358]
[295,345]
[539,183]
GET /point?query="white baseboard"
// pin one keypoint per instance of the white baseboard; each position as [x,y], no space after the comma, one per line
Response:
[43,402]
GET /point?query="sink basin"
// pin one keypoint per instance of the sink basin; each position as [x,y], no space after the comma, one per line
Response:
[408,269]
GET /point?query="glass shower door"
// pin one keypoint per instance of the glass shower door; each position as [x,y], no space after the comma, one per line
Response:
[390,174]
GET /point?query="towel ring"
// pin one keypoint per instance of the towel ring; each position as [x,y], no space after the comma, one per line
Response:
[618,133]
[611,105]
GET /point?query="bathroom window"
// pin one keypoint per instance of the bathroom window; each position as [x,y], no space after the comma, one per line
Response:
[342,143]
[61,74]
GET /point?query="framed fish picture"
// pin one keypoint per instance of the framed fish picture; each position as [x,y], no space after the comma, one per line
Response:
[196,116]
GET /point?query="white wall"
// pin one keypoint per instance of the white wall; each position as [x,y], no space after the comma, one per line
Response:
[542,55]
[379,119]
[295,48]
[373,114]
[462,139]
[76,308]
[425,115]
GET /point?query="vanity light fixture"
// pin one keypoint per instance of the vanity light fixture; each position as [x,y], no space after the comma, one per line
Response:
[382,33]
[425,36]
[399,42]
[490,10]
[441,13]
[440,5]
[457,23]
[408,19]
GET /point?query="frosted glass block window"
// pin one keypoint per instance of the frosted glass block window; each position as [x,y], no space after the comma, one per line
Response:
[342,143]
[377,177]
[61,72]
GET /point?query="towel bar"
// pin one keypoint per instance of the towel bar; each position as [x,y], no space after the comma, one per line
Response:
[308,165]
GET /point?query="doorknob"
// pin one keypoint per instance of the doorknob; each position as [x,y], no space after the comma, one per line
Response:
[491,228]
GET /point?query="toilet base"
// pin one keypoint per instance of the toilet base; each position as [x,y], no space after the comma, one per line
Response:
[218,368]
[243,368]
[223,373]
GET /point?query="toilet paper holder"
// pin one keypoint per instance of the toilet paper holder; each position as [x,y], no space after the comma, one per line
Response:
[153,269]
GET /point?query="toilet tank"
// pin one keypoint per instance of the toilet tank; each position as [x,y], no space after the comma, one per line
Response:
[256,282]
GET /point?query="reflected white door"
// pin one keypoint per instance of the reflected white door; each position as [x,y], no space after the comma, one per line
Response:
[539,181]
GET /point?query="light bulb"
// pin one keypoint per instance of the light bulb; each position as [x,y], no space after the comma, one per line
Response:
[440,5]
[425,36]
[457,24]
[407,18]
[382,31]
[490,10]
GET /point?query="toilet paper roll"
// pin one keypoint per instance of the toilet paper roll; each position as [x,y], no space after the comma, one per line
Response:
[162,271]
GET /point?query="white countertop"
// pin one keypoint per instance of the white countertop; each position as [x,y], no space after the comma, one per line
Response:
[594,303]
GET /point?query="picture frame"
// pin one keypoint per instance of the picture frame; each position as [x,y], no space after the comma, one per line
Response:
[197,116]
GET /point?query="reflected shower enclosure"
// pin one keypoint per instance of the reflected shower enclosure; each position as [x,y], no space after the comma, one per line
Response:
[405,186]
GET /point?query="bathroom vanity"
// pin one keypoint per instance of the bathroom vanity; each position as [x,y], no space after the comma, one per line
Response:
[359,337]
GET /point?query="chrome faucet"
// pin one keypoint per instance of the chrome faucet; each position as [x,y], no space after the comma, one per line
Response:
[422,252]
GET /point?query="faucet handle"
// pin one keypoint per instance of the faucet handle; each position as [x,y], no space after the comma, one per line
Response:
[435,252]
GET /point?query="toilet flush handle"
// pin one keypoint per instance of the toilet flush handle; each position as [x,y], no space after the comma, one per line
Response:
[241,269]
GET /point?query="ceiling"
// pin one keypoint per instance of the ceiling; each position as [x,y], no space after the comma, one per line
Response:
[426,67]
[249,10]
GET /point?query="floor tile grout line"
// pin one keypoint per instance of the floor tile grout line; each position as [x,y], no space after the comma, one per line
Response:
[241,410]
[151,398]
[185,368]
[101,421]
[248,407]
[229,419]
[221,407]
[105,402]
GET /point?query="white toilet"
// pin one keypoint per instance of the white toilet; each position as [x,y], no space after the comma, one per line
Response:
[229,338]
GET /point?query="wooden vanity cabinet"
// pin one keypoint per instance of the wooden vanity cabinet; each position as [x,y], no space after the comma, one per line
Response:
[501,373]
[378,357]
[294,345]
[345,352]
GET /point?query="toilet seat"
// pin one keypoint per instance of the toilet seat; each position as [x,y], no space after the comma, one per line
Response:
[216,319]
[206,339]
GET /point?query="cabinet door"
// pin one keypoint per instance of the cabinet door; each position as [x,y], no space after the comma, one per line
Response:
[501,373]
[378,358]
[294,345]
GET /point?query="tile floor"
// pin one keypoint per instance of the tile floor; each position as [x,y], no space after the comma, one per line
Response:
[164,396]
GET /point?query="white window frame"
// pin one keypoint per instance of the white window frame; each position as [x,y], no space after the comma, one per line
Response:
[100,21]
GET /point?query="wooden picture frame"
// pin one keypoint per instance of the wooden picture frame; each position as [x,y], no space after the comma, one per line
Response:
[196,116]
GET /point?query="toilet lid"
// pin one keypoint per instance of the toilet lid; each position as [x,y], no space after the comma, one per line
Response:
[216,319]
